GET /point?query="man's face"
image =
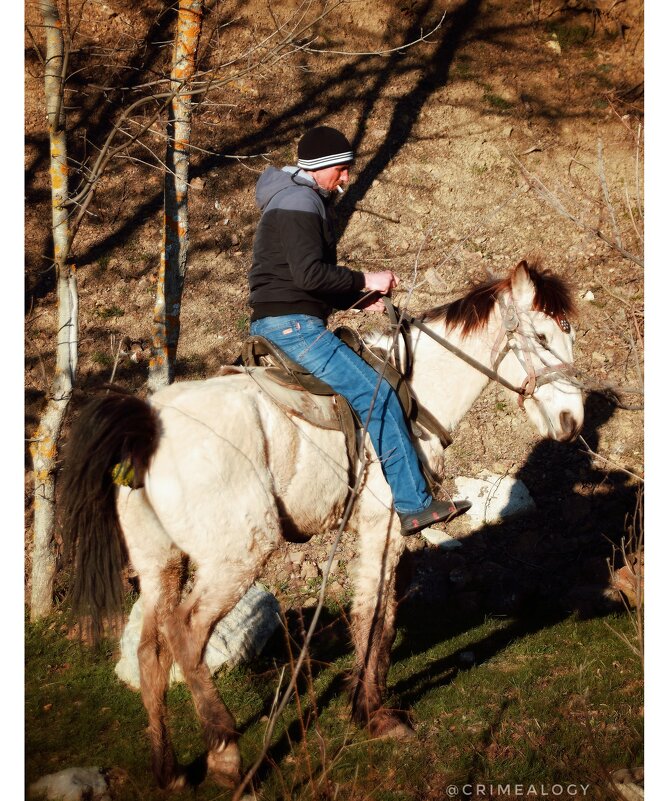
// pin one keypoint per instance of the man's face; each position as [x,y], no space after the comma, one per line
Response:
[331,178]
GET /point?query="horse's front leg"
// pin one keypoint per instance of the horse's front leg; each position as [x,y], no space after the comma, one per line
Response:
[373,620]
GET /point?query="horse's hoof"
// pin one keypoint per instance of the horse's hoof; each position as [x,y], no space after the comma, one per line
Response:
[179,782]
[386,725]
[224,766]
[400,731]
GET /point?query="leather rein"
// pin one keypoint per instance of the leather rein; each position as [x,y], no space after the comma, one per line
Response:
[510,332]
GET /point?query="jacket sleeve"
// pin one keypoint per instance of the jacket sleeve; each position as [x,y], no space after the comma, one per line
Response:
[346,300]
[303,241]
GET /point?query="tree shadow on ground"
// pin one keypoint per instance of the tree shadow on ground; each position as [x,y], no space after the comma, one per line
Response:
[359,80]
[353,89]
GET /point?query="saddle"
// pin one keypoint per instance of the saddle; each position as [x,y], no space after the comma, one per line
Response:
[282,374]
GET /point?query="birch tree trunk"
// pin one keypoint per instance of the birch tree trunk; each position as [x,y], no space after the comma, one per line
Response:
[173,262]
[44,445]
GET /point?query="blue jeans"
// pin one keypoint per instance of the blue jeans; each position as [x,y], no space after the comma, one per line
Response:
[307,341]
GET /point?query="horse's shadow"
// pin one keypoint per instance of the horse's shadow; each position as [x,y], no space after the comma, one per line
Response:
[534,571]
[543,567]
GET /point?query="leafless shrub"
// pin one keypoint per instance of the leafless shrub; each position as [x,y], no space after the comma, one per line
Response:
[628,579]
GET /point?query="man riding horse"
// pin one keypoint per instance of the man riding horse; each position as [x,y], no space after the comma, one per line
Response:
[295,283]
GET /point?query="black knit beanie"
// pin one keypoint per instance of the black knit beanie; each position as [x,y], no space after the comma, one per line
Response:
[323,147]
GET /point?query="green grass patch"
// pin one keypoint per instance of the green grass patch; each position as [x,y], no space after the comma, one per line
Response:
[542,699]
[106,312]
[479,169]
[569,35]
[101,265]
[463,67]
[497,102]
[102,359]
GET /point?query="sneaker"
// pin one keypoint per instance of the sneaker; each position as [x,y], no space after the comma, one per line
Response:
[437,512]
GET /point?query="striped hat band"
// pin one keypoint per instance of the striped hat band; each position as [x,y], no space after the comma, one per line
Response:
[323,146]
[326,161]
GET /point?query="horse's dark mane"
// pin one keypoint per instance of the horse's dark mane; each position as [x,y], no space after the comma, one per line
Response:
[471,313]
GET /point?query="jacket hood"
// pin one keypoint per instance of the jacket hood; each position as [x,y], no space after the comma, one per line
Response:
[272,181]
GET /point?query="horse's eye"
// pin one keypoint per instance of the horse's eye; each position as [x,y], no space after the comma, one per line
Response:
[542,339]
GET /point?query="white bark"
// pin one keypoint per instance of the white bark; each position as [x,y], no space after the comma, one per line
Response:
[44,446]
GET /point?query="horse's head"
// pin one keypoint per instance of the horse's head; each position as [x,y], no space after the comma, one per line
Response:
[525,320]
[534,349]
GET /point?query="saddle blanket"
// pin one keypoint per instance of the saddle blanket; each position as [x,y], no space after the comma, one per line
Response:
[331,412]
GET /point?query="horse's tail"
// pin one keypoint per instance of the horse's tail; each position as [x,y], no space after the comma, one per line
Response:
[115,435]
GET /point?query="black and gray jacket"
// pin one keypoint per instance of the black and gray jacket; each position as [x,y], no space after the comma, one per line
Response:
[294,269]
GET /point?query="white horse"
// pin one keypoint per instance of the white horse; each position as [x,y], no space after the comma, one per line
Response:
[222,474]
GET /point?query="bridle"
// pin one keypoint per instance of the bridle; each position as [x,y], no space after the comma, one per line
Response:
[511,332]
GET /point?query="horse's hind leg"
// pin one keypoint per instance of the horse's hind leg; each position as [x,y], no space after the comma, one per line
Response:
[155,660]
[217,589]
[373,627]
[159,566]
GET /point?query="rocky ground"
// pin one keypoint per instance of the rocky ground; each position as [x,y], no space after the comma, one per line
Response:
[515,129]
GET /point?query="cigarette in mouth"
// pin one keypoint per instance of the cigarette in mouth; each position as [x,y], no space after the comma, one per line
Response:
[341,191]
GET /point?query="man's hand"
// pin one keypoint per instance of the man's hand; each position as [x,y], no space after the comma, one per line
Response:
[372,302]
[382,282]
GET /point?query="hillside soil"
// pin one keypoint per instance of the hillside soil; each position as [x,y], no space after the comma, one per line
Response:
[458,138]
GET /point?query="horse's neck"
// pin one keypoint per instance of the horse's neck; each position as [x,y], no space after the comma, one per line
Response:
[442,382]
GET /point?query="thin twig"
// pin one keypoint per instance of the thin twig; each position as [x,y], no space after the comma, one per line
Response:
[590,452]
[41,58]
[422,38]
[607,200]
[365,210]
[117,358]
[635,542]
[637,172]
[194,148]
[555,202]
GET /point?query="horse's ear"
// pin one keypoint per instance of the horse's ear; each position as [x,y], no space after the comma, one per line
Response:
[522,287]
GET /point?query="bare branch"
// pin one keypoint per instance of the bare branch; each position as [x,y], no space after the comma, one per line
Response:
[590,452]
[401,48]
[106,154]
[555,202]
[117,357]
[41,58]
[607,200]
[637,172]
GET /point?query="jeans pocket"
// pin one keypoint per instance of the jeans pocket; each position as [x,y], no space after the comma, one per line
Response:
[273,327]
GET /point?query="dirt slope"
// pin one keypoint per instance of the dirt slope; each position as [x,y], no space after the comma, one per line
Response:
[446,132]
